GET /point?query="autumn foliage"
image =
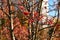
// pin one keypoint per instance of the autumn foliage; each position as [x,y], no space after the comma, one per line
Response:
[19,30]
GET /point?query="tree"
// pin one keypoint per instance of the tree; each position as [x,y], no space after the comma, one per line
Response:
[16,14]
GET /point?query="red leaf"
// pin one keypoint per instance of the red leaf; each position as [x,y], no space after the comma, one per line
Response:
[40,17]
[50,22]
[31,21]
[21,7]
[35,14]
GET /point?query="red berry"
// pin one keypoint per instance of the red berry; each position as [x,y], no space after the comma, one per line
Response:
[25,12]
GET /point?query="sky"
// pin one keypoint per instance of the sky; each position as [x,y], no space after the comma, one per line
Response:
[51,2]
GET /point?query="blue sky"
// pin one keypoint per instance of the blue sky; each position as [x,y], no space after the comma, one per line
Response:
[51,2]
